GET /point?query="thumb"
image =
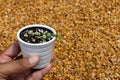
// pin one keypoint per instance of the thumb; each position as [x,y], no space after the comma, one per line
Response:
[19,66]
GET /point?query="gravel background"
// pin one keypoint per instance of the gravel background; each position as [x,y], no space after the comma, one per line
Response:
[90,45]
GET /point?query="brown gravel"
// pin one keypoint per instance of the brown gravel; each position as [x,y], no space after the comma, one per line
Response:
[90,45]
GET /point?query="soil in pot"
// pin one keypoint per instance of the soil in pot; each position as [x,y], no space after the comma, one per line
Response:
[36,35]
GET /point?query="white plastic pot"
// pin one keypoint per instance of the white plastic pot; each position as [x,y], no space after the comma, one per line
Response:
[44,50]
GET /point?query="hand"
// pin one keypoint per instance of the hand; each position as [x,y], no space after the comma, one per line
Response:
[20,69]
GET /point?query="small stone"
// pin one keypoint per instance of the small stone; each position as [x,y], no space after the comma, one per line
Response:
[119,45]
[118,41]
[33,40]
[28,41]
[46,32]
[40,41]
[78,30]
[49,38]
[26,35]
[109,12]
[40,30]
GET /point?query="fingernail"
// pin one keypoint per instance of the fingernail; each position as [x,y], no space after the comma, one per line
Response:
[33,59]
[49,66]
[31,79]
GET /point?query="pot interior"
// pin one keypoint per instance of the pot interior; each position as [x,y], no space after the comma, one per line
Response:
[36,34]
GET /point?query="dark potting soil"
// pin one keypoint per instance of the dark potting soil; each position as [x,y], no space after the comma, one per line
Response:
[36,35]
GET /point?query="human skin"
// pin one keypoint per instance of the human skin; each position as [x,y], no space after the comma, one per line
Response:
[20,69]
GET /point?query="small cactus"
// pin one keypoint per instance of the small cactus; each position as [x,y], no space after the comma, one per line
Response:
[38,35]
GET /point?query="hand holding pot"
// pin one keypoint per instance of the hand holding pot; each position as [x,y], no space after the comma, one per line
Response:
[37,40]
[20,69]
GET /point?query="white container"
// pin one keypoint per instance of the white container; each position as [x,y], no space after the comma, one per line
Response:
[44,50]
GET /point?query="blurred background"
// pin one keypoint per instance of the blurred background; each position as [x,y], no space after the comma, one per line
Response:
[89,48]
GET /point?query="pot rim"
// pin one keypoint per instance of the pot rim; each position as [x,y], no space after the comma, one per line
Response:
[35,25]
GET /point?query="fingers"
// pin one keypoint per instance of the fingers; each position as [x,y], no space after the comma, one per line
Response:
[53,57]
[4,58]
[17,77]
[19,66]
[39,74]
[13,50]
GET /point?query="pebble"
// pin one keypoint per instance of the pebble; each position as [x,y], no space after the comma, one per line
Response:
[81,42]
